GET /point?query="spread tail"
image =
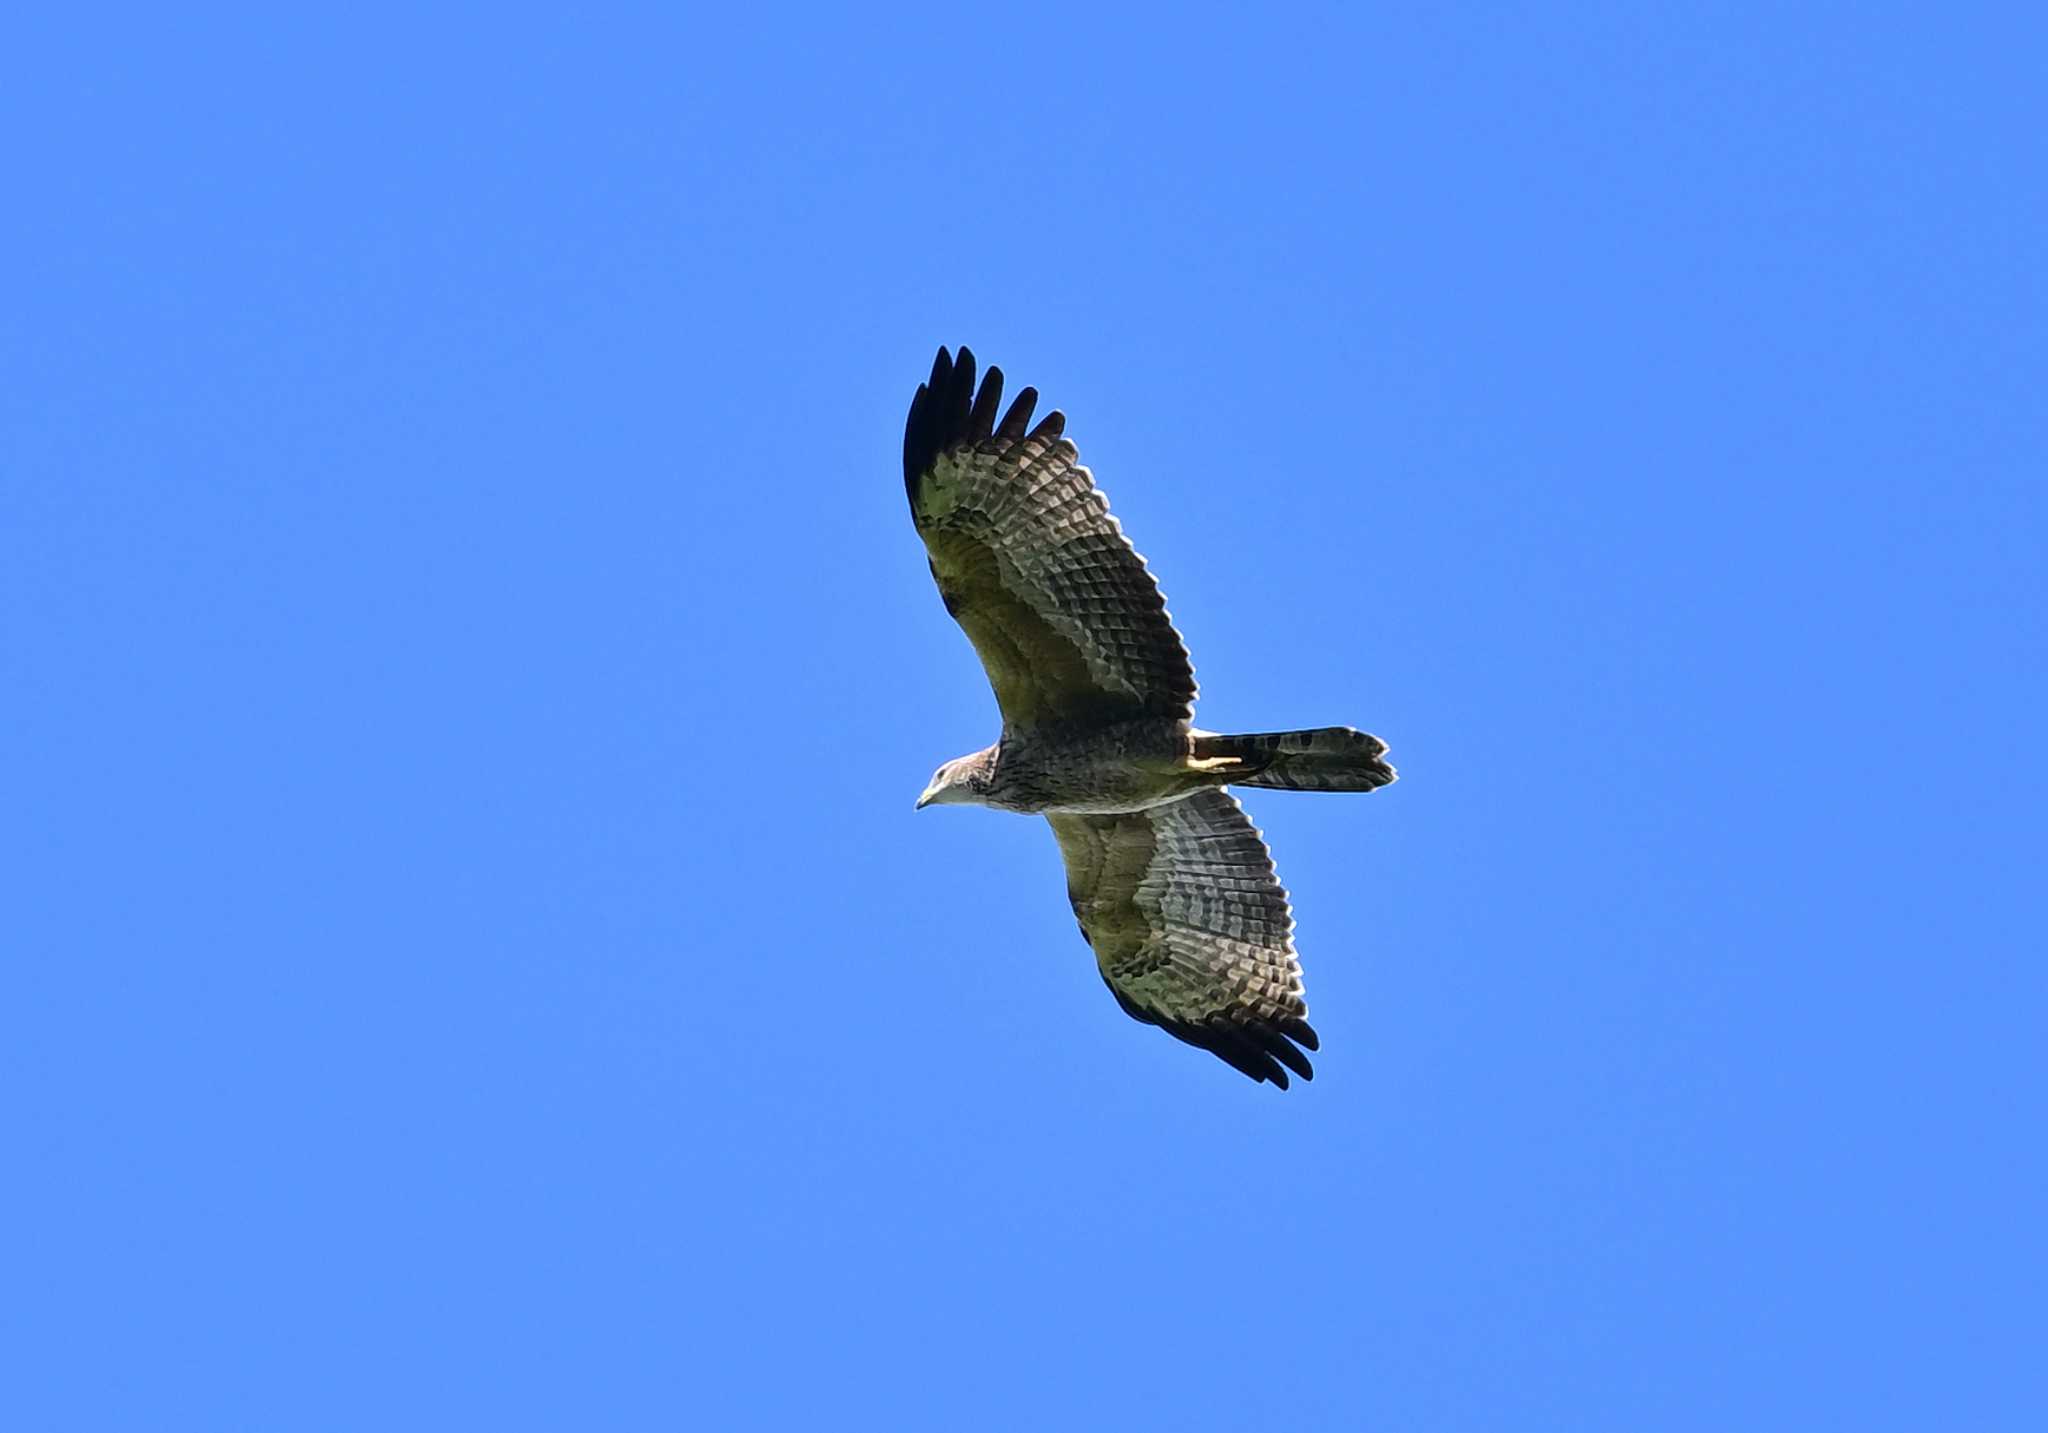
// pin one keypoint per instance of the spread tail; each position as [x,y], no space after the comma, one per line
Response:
[1329,758]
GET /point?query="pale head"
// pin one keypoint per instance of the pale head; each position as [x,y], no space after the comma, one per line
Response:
[963,781]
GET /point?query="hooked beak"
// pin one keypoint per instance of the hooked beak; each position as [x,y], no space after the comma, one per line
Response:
[924,800]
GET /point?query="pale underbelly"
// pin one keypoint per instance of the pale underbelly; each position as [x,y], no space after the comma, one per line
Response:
[1112,793]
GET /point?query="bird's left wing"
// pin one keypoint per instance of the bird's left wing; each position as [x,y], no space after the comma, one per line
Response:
[1068,622]
[1191,928]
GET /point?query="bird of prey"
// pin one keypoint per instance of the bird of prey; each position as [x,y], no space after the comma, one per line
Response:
[1171,883]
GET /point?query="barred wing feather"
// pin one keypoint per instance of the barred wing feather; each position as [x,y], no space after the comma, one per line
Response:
[1068,622]
[1191,928]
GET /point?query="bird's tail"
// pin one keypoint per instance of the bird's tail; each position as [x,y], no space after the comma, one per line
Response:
[1329,758]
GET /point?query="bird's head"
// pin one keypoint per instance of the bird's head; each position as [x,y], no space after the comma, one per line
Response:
[962,781]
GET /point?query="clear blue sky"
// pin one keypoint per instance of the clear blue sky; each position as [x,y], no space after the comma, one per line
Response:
[467,668]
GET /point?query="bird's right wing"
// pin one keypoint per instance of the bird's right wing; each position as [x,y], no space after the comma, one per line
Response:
[1070,626]
[1191,928]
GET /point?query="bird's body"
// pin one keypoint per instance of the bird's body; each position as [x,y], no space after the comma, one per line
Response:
[1171,884]
[1126,767]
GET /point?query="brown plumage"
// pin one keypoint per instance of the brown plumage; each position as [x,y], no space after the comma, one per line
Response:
[1171,883]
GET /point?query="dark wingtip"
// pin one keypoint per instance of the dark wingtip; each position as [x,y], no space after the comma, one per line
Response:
[1250,1049]
[1255,1047]
[1281,1049]
[963,371]
[1237,1052]
[981,421]
[934,414]
[947,412]
[1018,420]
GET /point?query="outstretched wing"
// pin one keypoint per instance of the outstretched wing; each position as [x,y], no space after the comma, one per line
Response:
[1191,928]
[1069,624]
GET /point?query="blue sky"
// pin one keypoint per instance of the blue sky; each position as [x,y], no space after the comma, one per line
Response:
[467,668]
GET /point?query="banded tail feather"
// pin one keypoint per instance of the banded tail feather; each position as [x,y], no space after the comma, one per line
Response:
[1327,758]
